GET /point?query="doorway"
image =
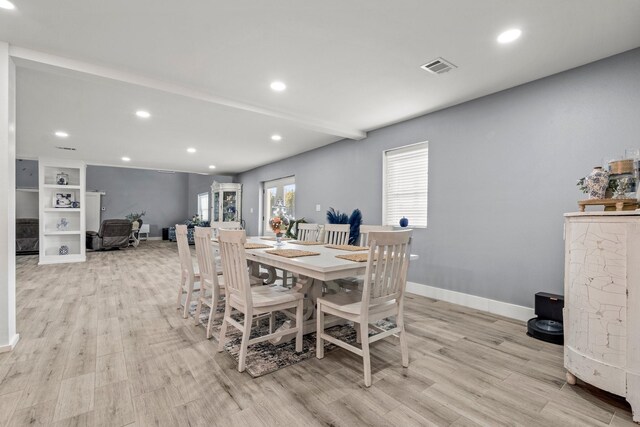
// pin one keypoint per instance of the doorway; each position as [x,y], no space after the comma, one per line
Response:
[279,189]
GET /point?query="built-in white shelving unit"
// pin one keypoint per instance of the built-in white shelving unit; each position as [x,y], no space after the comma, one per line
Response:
[62,201]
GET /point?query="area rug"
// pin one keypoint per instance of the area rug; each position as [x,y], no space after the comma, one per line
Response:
[264,357]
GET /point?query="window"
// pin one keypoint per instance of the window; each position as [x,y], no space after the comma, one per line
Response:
[280,189]
[203,206]
[405,175]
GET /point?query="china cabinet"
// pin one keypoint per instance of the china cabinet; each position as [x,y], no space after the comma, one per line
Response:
[226,202]
[602,302]
[61,205]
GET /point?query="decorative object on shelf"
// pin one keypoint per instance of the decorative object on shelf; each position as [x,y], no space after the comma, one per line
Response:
[354,221]
[75,204]
[279,221]
[63,250]
[623,187]
[404,222]
[621,167]
[595,184]
[62,224]
[62,178]
[63,200]
[136,219]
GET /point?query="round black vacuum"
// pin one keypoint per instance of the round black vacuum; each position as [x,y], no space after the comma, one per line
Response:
[546,330]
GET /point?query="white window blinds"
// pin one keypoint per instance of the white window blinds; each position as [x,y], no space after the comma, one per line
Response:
[203,206]
[405,185]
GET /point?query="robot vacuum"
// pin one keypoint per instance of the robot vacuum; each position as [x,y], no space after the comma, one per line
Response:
[548,325]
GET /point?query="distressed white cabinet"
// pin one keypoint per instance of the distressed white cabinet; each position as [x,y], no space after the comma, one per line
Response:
[602,302]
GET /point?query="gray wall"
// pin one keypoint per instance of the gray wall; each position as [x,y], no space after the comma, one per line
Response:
[502,171]
[163,196]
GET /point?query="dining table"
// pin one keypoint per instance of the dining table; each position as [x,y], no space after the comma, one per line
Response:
[311,272]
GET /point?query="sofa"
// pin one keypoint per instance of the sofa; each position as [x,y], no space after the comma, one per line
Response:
[113,233]
[27,235]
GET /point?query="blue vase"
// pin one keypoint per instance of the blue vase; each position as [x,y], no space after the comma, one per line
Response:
[404,222]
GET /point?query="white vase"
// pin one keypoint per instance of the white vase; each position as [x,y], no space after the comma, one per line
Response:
[597,182]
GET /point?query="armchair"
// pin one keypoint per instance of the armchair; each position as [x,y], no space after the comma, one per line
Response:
[113,233]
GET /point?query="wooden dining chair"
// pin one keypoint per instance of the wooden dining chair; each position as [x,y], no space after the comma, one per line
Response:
[336,234]
[188,276]
[381,297]
[252,301]
[366,229]
[228,225]
[211,281]
[307,232]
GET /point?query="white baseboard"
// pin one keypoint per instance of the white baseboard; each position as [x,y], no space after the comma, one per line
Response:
[153,238]
[512,311]
[12,344]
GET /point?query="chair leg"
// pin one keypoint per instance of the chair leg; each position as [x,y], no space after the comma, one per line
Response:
[180,291]
[245,340]
[358,333]
[404,348]
[299,321]
[223,327]
[319,332]
[196,317]
[187,302]
[215,300]
[272,321]
[366,357]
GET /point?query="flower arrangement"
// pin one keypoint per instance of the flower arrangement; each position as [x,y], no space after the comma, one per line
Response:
[279,224]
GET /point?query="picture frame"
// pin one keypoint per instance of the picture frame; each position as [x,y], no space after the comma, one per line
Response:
[63,200]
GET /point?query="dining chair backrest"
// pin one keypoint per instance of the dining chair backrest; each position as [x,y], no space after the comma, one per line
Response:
[227,225]
[186,264]
[308,232]
[336,234]
[234,265]
[385,277]
[366,229]
[204,255]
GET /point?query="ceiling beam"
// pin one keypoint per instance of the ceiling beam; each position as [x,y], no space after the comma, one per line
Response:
[23,56]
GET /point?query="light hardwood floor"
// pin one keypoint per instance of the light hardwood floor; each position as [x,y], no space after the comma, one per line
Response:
[102,344]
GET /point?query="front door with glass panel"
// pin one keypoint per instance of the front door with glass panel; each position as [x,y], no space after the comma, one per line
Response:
[280,189]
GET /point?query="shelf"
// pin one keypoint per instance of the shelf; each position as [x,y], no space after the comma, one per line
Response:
[61,233]
[62,209]
[62,187]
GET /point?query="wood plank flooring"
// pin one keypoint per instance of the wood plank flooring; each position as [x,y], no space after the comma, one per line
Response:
[102,344]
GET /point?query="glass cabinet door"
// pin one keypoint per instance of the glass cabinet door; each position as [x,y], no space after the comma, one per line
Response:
[229,210]
[216,206]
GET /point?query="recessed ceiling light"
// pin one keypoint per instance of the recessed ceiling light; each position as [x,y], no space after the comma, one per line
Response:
[126,159]
[143,114]
[276,138]
[509,35]
[191,150]
[212,167]
[278,86]
[61,134]
[6,4]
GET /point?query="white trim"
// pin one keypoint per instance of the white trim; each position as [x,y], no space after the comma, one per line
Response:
[12,344]
[33,59]
[155,238]
[506,309]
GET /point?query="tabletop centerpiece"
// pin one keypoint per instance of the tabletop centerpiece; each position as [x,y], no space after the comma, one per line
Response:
[279,221]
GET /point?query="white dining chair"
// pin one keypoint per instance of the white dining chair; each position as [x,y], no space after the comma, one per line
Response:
[336,234]
[211,281]
[252,301]
[366,229]
[307,232]
[188,276]
[227,225]
[382,296]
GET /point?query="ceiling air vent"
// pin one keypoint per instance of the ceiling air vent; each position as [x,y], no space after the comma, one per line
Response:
[438,66]
[66,148]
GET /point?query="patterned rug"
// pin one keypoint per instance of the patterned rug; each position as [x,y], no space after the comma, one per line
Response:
[264,357]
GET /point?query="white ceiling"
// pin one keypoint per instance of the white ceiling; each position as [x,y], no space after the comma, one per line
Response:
[350,67]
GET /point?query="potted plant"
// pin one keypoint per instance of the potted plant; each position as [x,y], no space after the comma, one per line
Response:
[136,219]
